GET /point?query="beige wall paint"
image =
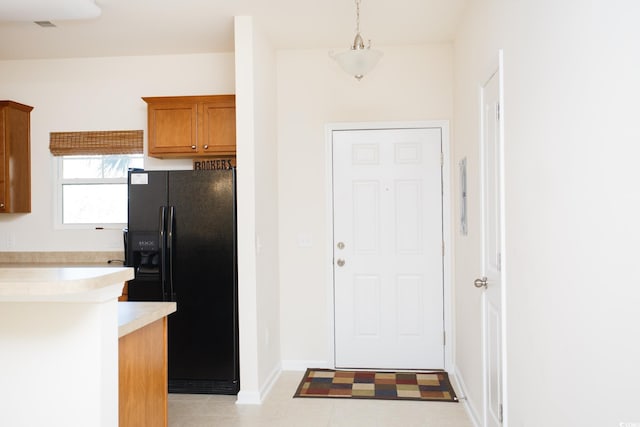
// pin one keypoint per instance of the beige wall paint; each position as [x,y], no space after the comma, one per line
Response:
[267,210]
[476,57]
[258,286]
[94,94]
[571,146]
[409,83]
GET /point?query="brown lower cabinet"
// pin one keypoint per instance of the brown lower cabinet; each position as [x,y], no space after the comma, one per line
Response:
[125,292]
[143,381]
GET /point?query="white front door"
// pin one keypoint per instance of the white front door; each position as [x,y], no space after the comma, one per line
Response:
[492,254]
[388,248]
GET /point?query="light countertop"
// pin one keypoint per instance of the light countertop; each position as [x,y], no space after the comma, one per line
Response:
[136,315]
[75,283]
[59,283]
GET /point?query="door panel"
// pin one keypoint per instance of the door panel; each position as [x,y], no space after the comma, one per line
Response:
[365,306]
[492,252]
[494,365]
[408,307]
[202,333]
[366,205]
[147,193]
[388,271]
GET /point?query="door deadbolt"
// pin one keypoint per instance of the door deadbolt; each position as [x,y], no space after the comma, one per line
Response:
[340,245]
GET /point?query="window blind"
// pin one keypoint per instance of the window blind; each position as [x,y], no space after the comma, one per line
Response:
[96,142]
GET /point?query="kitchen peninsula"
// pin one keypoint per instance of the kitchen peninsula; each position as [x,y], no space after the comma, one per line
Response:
[59,343]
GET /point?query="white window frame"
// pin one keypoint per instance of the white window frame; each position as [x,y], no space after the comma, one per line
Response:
[58,183]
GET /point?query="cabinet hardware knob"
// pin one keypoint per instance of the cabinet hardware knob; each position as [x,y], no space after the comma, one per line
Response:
[193,147]
[206,146]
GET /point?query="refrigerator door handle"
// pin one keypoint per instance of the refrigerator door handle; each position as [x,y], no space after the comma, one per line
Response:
[170,224]
[163,252]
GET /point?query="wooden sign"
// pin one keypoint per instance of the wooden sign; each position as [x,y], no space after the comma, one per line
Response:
[214,164]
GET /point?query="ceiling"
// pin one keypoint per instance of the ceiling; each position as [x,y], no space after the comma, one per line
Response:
[160,27]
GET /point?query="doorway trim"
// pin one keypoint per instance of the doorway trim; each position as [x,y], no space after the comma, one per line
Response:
[443,125]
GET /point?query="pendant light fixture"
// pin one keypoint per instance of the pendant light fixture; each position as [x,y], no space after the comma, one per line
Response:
[359,59]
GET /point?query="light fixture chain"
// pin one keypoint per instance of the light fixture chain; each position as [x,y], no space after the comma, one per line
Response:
[357,16]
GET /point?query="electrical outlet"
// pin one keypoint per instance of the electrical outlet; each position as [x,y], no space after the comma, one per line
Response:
[11,241]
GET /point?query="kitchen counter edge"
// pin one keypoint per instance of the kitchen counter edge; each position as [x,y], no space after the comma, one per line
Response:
[134,315]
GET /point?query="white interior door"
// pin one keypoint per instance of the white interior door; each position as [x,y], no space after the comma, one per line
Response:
[491,282]
[388,240]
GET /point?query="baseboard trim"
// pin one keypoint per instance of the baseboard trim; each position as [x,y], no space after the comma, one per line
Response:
[463,397]
[302,365]
[257,397]
[248,398]
[271,380]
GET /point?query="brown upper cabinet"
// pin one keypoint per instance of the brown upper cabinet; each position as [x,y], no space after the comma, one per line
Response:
[15,157]
[192,126]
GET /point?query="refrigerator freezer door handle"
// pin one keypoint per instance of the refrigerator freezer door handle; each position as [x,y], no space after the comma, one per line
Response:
[163,252]
[170,224]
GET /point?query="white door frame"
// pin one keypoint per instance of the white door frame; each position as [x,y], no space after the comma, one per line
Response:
[446,223]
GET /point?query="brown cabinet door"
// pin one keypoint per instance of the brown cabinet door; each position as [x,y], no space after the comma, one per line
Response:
[173,129]
[3,160]
[218,129]
[15,157]
[142,376]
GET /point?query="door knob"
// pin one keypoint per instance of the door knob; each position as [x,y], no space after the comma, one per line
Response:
[340,262]
[480,283]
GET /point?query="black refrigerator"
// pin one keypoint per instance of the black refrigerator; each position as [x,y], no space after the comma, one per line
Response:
[181,242]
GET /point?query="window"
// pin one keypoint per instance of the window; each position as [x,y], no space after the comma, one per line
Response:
[91,176]
[93,189]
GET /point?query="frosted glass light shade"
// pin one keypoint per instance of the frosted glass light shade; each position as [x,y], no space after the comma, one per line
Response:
[48,10]
[358,62]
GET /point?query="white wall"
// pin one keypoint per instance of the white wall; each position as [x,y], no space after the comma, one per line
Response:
[94,94]
[267,209]
[571,150]
[475,57]
[259,300]
[409,83]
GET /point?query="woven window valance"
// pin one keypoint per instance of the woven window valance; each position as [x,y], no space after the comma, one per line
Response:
[96,142]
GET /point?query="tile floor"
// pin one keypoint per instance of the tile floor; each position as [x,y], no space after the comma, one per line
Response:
[281,410]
